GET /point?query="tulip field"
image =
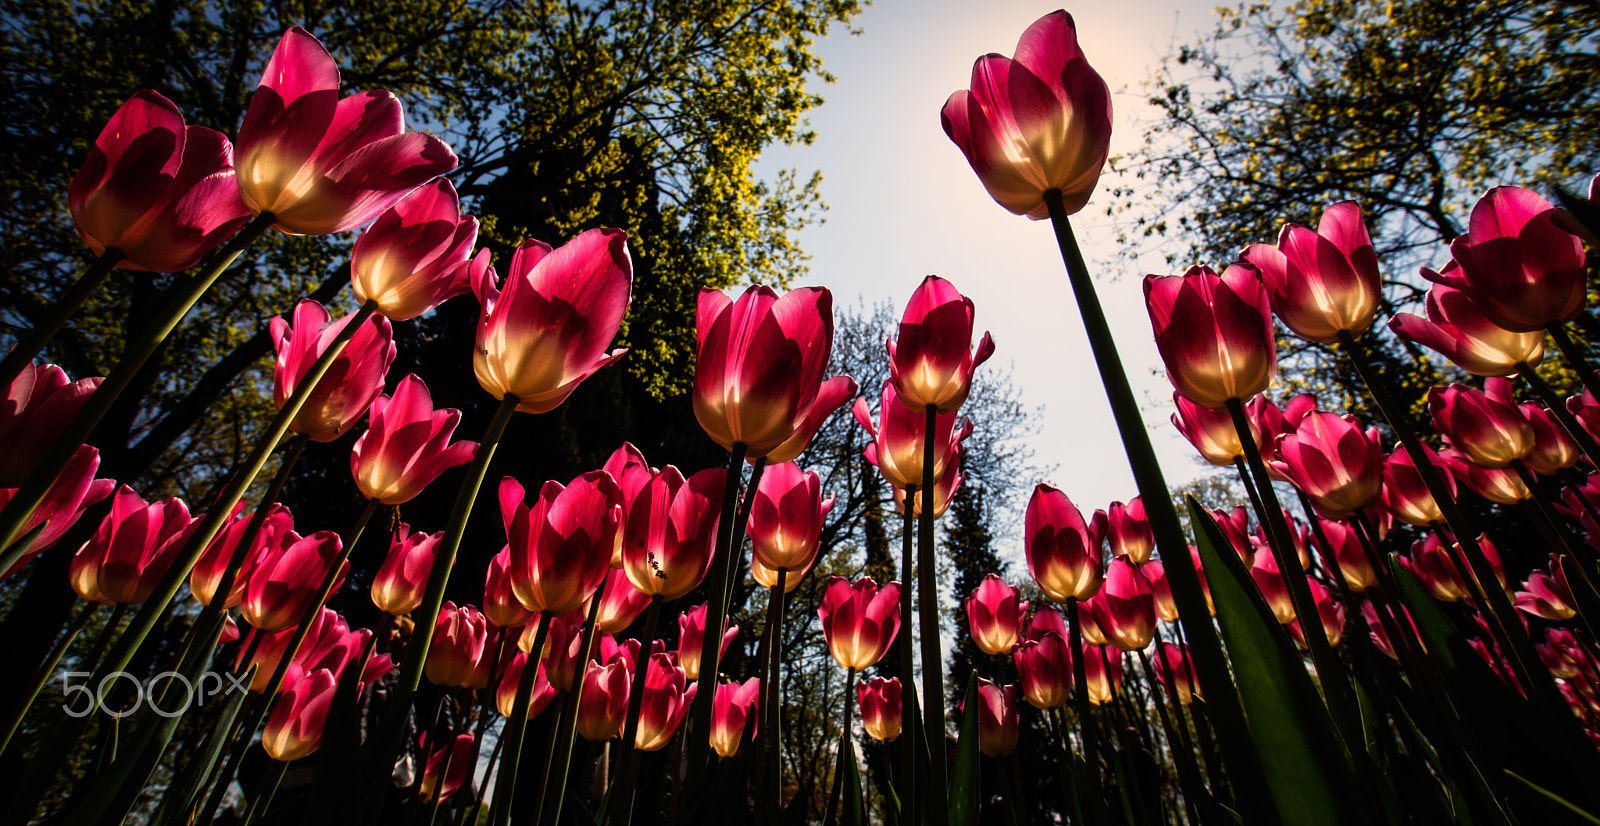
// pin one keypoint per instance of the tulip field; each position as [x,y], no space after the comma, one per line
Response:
[1359,639]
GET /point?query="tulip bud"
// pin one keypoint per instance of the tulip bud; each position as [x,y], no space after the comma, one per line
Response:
[605,700]
[1501,486]
[1214,333]
[563,646]
[931,359]
[131,551]
[407,445]
[1063,554]
[691,639]
[1487,427]
[1326,282]
[417,254]
[72,492]
[460,654]
[859,621]
[1211,431]
[1156,573]
[1103,671]
[1404,493]
[994,615]
[944,488]
[1333,462]
[898,440]
[1554,449]
[1349,554]
[294,730]
[1329,612]
[1269,579]
[631,472]
[397,588]
[39,404]
[733,706]
[1129,532]
[997,719]
[667,698]
[621,604]
[1125,608]
[880,707]
[207,573]
[1044,667]
[1547,596]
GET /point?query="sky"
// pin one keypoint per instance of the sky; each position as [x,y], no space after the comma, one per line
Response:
[904,204]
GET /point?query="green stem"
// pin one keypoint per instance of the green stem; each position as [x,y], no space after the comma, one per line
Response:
[910,742]
[772,705]
[1574,357]
[85,613]
[33,491]
[57,314]
[516,726]
[1569,423]
[928,625]
[716,612]
[267,790]
[630,729]
[1080,701]
[750,490]
[837,790]
[567,722]
[1188,772]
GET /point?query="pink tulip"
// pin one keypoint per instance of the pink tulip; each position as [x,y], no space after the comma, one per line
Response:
[1235,525]
[944,488]
[1376,630]
[72,492]
[859,621]
[1128,531]
[1349,553]
[1440,569]
[621,604]
[605,700]
[1275,422]
[734,705]
[1269,578]
[563,646]
[897,441]
[768,577]
[759,365]
[667,544]
[1487,427]
[1166,606]
[1326,282]
[1039,122]
[407,444]
[1299,533]
[130,552]
[1547,596]
[282,588]
[1043,619]
[328,631]
[691,639]
[1463,334]
[294,730]
[931,359]
[1333,462]
[455,761]
[38,405]
[160,193]
[398,586]
[1063,554]
[994,615]
[500,604]
[547,328]
[1214,333]
[320,164]
[997,719]
[1044,667]
[1404,493]
[1501,486]
[880,707]
[1553,447]
[1584,408]
[667,697]
[786,517]
[505,695]
[1088,626]
[352,382]
[460,654]
[1125,608]
[831,395]
[1103,671]
[561,545]
[1329,613]
[1211,431]
[1518,265]
[207,573]
[417,254]
[629,468]
[1175,668]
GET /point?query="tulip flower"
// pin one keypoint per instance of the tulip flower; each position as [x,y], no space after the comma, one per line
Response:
[1128,531]
[397,588]
[1553,447]
[158,192]
[898,439]
[880,707]
[1563,654]
[505,695]
[1035,123]
[1044,667]
[131,550]
[500,604]
[786,517]
[629,468]
[561,545]
[1521,269]
[1235,525]
[1214,333]
[1379,634]
[1166,606]
[1264,570]
[1404,493]
[282,588]
[1463,334]
[944,488]
[71,493]
[1326,282]
[563,646]
[1547,596]
[859,621]
[1329,613]
[994,615]
[1487,427]
[1043,619]
[417,254]
[831,395]
[667,543]
[329,643]
[40,402]
[1440,569]
[1125,608]
[1584,408]
[1333,462]
[460,654]
[691,639]
[321,164]
[733,706]
[1088,626]
[997,719]
[447,768]
[1174,668]
[1349,554]
[352,382]
[1063,554]
[1103,672]
[931,359]
[407,444]
[667,697]
[207,573]
[759,364]
[1299,533]
[768,578]
[1212,431]
[620,605]
[605,700]
[294,730]
[547,327]
[1501,486]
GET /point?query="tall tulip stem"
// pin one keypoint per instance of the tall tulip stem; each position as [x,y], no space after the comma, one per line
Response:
[157,327]
[630,729]
[516,726]
[56,314]
[1080,702]
[1182,756]
[845,742]
[48,668]
[567,721]
[910,730]
[928,623]
[772,704]
[1573,354]
[1211,665]
[1569,423]
[716,613]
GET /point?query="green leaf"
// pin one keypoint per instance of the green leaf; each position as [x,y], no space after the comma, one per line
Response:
[1307,776]
[1585,816]
[964,781]
[854,811]
[183,795]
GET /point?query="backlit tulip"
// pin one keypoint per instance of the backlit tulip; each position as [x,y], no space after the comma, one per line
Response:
[294,730]
[880,707]
[1175,669]
[1376,629]
[1166,606]
[352,382]
[282,588]
[1063,555]
[1501,486]
[994,615]
[1214,333]
[1404,493]
[460,654]
[561,544]
[768,578]
[1235,525]
[563,646]
[329,643]
[605,700]
[944,488]
[320,163]
[667,542]
[131,550]
[207,573]
[1553,447]
[691,639]
[997,719]
[1329,612]
[898,438]
[1518,265]
[1125,608]
[1128,531]
[546,329]
[1325,282]
[1349,554]
[155,190]
[1211,431]
[1335,464]
[1044,668]
[40,402]
[417,254]
[1275,422]
[786,517]
[447,768]
[1440,569]
[500,604]
[1584,408]
[406,445]
[931,359]
[1040,121]
[629,468]
[505,695]
[1103,671]
[1088,626]
[397,587]
[1269,579]
[859,621]
[759,364]
[667,697]
[1547,596]
[621,604]
[1463,334]
[1487,426]
[831,395]
[1044,618]
[734,705]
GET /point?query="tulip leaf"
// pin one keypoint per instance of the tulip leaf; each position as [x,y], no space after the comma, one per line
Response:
[1580,813]
[854,812]
[339,758]
[1307,776]
[965,795]
[183,795]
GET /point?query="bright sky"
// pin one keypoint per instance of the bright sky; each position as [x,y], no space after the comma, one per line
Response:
[904,203]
